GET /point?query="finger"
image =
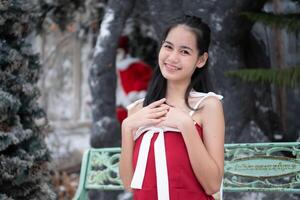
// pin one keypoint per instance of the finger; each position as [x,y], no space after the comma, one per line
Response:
[159,109]
[163,118]
[157,103]
[161,121]
[158,114]
[157,121]
[164,105]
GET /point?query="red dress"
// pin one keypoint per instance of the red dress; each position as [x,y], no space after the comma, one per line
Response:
[183,184]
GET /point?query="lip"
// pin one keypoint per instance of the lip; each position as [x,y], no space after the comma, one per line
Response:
[171,68]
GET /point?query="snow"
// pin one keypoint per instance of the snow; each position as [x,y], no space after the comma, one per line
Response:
[264,109]
[257,196]
[65,140]
[94,82]
[217,22]
[100,123]
[108,18]
[104,30]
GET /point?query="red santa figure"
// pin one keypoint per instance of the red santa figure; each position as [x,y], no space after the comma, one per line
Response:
[133,76]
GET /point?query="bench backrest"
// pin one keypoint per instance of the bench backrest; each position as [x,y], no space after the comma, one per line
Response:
[258,167]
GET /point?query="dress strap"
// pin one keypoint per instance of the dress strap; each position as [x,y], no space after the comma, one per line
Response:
[221,189]
[209,94]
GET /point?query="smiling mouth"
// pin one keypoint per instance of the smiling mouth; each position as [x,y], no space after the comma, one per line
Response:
[171,67]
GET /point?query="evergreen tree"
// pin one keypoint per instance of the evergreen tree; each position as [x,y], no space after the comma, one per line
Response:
[24,157]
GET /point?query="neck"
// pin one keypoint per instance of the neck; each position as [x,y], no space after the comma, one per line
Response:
[175,92]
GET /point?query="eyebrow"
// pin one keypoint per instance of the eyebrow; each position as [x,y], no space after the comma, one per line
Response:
[182,47]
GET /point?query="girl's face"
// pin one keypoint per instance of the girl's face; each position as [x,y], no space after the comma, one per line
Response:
[178,55]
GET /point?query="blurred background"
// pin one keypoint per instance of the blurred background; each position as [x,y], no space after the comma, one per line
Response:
[69,68]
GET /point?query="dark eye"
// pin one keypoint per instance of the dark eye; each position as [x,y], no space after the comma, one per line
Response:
[167,46]
[185,52]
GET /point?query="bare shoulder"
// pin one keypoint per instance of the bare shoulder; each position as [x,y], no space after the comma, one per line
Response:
[135,106]
[207,103]
[212,103]
[212,112]
[210,106]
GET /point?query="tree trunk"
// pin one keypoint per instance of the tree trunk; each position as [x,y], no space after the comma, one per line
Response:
[102,81]
[280,92]
[162,12]
[102,78]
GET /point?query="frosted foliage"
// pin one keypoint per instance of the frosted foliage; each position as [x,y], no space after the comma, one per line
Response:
[24,168]
[8,105]
[14,137]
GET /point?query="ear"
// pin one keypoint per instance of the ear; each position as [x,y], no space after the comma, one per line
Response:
[202,60]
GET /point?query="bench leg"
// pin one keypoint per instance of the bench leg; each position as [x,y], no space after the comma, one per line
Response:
[81,193]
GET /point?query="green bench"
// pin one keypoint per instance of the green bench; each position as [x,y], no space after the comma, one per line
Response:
[251,167]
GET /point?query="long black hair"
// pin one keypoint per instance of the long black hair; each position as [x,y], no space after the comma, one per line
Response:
[200,79]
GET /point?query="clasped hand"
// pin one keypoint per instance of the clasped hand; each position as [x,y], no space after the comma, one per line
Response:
[157,113]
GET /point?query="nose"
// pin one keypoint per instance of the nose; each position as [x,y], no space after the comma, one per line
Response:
[173,57]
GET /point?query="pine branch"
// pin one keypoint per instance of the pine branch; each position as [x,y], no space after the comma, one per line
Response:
[288,77]
[291,22]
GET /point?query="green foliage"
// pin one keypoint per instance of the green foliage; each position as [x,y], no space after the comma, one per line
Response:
[291,22]
[289,77]
[24,157]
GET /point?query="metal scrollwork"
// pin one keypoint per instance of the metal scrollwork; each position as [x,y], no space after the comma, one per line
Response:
[103,171]
[262,167]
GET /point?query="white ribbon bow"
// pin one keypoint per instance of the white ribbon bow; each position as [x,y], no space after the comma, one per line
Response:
[160,160]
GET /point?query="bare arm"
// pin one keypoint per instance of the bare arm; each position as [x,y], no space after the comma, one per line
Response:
[125,166]
[207,156]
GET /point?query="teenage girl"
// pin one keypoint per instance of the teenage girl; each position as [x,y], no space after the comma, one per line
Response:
[173,140]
